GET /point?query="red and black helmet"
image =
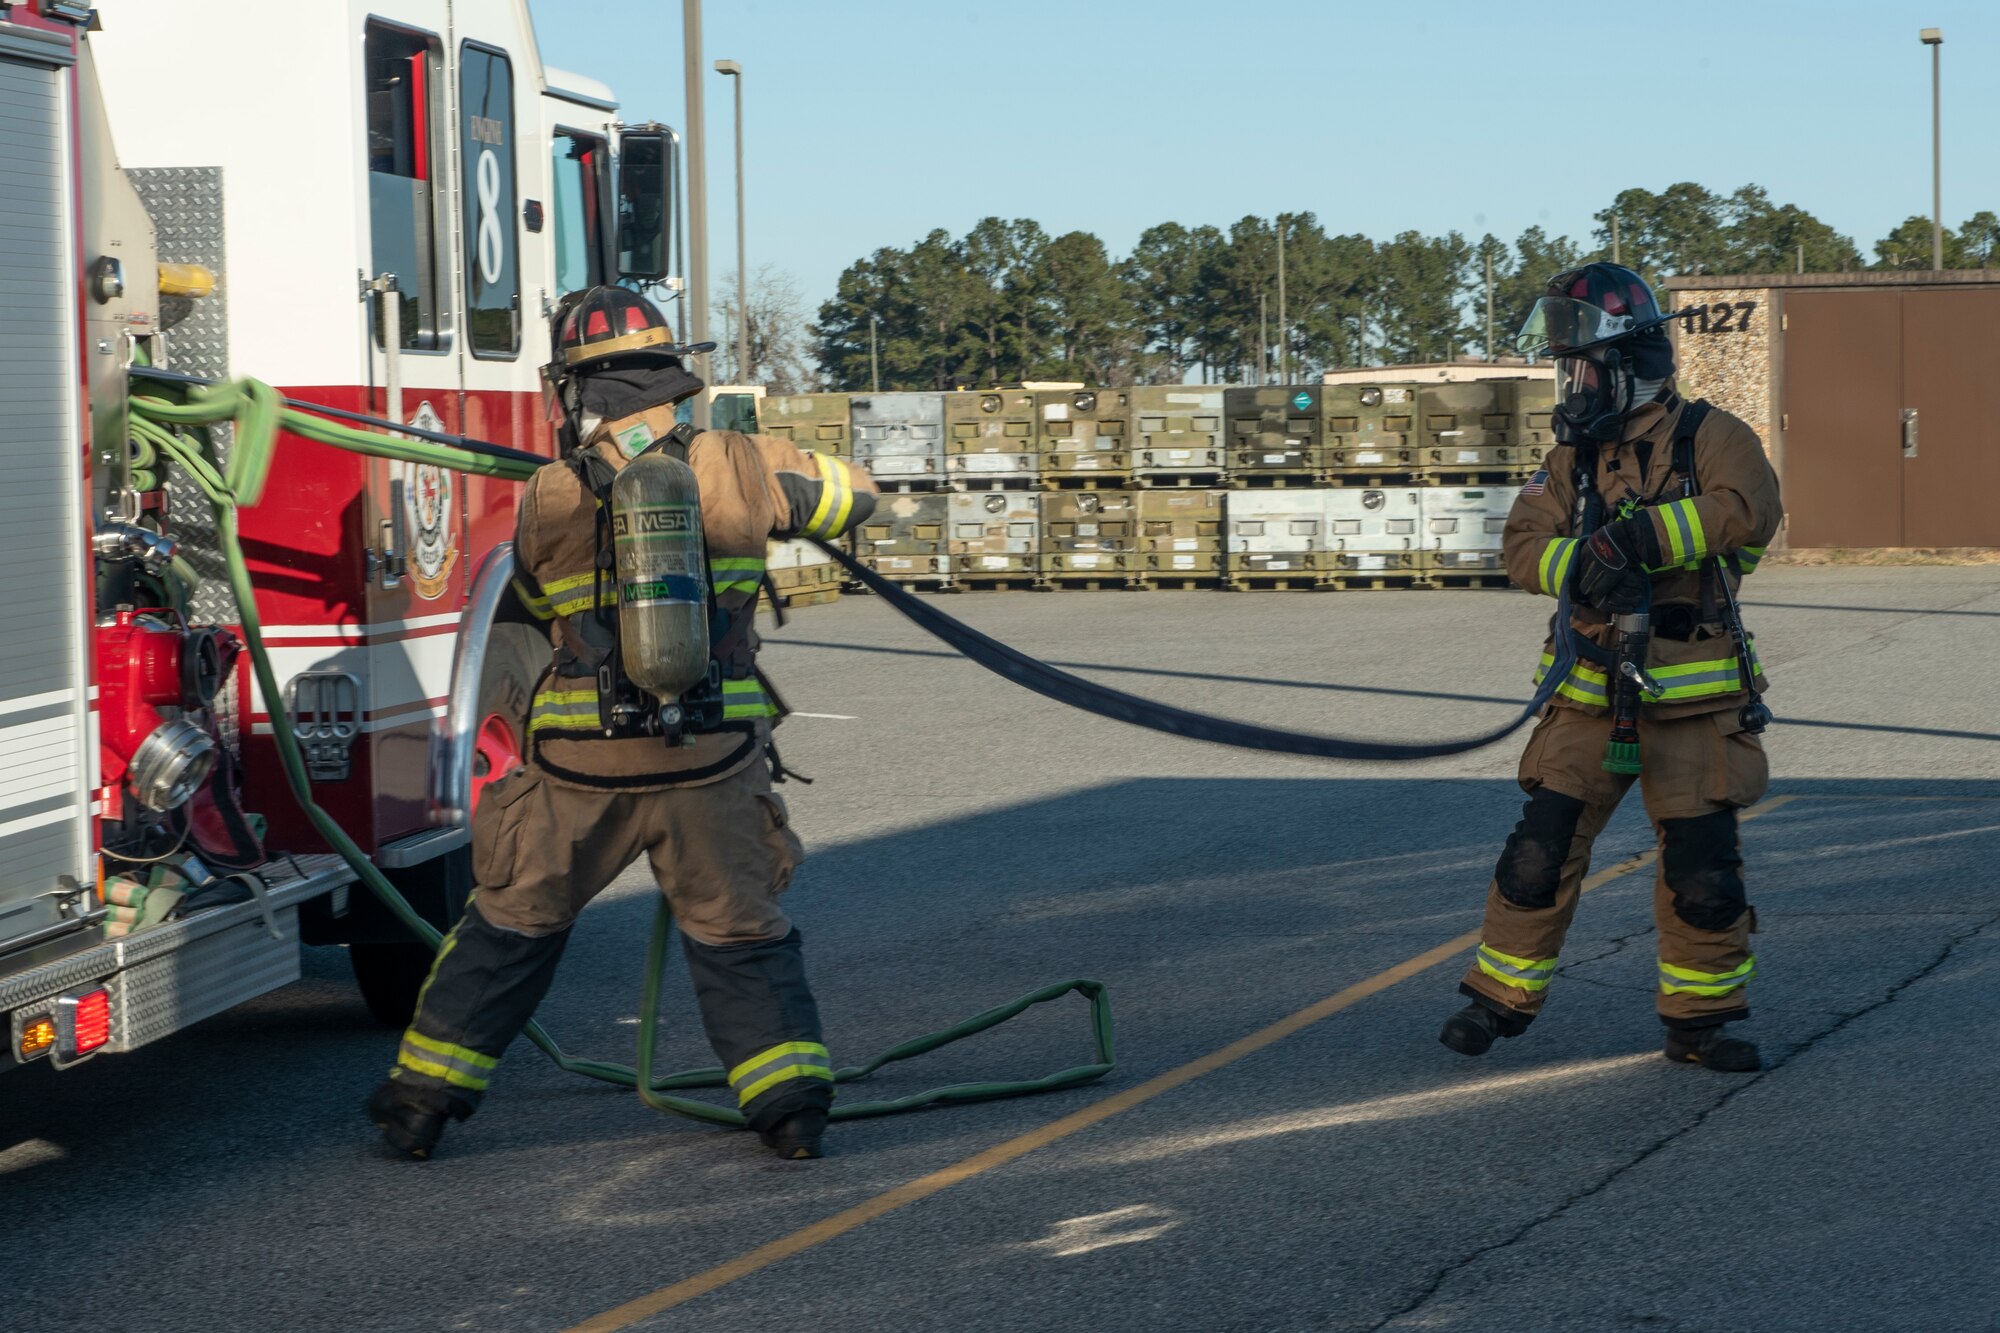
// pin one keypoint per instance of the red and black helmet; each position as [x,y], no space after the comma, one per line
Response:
[603,322]
[1587,308]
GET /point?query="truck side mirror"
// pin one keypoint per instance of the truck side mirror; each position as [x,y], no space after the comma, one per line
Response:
[646,202]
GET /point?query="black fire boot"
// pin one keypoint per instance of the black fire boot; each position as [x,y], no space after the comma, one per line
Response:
[796,1137]
[1710,1048]
[411,1122]
[1472,1029]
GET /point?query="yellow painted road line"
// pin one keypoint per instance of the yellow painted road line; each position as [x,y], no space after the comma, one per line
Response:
[806,1238]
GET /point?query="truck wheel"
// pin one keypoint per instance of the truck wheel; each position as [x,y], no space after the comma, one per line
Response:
[391,972]
[390,975]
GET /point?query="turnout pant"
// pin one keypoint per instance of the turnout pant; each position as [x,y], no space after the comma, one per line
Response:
[722,853]
[1698,771]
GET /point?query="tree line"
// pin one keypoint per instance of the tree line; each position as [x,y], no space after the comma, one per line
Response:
[1007,301]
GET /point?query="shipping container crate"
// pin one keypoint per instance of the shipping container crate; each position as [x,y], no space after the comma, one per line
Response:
[899,438]
[904,539]
[1276,539]
[1468,433]
[995,538]
[989,439]
[1089,538]
[1534,409]
[1372,536]
[1462,528]
[1085,437]
[1177,438]
[1371,434]
[801,574]
[815,421]
[1276,434]
[1180,538]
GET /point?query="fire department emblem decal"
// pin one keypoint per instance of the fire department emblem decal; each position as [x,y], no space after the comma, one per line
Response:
[430,513]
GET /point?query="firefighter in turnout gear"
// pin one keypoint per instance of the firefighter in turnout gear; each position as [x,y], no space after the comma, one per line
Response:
[1650,506]
[613,773]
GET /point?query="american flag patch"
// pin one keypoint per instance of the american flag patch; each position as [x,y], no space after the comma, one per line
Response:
[1536,484]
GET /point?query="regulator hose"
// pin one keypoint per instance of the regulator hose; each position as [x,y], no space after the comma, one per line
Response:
[258,413]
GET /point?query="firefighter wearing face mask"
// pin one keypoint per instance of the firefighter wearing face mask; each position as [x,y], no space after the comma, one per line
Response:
[615,772]
[1648,503]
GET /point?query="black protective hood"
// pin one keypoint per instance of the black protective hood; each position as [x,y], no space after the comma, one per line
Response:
[630,385]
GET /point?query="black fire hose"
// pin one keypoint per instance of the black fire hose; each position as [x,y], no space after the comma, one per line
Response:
[1104,701]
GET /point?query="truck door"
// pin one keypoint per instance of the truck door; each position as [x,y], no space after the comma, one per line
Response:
[44,695]
[413,517]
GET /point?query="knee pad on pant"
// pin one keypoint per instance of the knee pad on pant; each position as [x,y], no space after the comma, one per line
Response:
[1531,864]
[1704,869]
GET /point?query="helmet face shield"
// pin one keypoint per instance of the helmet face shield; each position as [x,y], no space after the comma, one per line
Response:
[1560,324]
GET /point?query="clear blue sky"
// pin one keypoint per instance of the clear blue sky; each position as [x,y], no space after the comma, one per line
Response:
[870,122]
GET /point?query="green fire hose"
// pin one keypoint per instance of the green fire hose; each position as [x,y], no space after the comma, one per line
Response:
[170,426]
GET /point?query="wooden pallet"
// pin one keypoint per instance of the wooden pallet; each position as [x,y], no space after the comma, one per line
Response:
[1387,580]
[1358,480]
[1295,581]
[910,583]
[1509,476]
[981,483]
[1086,481]
[1085,583]
[1014,581]
[1468,578]
[1272,481]
[1176,582]
[1198,478]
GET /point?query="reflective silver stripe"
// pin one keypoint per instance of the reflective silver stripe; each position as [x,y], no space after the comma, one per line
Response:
[1539,972]
[745,1078]
[415,1058]
[1687,533]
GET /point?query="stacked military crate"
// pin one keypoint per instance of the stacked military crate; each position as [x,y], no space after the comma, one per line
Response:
[994,506]
[801,574]
[900,439]
[1359,485]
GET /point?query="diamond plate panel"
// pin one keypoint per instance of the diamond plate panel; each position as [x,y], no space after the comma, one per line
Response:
[186,205]
[165,994]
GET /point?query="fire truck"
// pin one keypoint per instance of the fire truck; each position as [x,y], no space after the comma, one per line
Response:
[372,207]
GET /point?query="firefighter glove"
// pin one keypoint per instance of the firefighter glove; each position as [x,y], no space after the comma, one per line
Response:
[1611,567]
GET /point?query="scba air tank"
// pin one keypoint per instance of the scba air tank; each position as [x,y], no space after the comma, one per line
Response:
[662,575]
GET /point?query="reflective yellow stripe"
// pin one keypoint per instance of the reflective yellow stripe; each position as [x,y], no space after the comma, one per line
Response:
[1688,680]
[538,606]
[1554,569]
[458,1065]
[474,1058]
[1529,974]
[827,499]
[779,1064]
[1749,557]
[748,572]
[846,497]
[564,710]
[579,587]
[745,1096]
[1691,981]
[765,1057]
[1686,539]
[746,698]
[836,500]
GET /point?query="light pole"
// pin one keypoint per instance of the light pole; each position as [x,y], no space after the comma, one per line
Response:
[697,191]
[874,366]
[1934,39]
[743,368]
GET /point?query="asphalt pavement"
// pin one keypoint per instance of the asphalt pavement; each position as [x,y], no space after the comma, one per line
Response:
[1283,1145]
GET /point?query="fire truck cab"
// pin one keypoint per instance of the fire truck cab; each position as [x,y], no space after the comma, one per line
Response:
[372,207]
